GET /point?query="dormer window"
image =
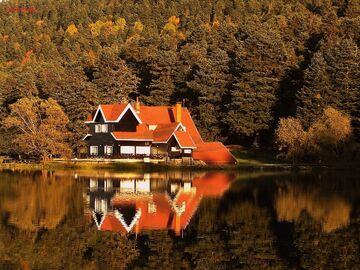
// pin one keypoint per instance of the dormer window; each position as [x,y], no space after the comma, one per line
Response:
[101,128]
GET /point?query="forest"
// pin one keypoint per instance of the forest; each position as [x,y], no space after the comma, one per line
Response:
[238,65]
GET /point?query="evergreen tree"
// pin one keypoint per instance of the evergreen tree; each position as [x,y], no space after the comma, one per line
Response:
[78,98]
[162,68]
[113,79]
[210,83]
[261,64]
[332,81]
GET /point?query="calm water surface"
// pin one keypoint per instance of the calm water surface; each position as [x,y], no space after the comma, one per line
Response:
[179,220]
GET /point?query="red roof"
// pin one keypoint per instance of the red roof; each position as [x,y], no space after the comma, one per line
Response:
[213,153]
[163,132]
[184,139]
[142,133]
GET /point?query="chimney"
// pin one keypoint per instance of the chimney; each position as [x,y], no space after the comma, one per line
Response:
[137,105]
[178,109]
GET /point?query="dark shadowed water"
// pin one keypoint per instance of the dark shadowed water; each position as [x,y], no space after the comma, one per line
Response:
[179,220]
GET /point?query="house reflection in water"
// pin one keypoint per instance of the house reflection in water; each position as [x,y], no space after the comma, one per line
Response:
[132,204]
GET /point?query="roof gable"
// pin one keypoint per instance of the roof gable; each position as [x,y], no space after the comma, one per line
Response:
[113,113]
[184,139]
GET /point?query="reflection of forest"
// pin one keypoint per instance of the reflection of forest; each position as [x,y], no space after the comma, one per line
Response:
[272,222]
[331,211]
[36,202]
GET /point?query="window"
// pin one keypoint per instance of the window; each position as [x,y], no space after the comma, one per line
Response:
[94,151]
[101,128]
[174,149]
[187,151]
[127,150]
[104,128]
[108,150]
[143,150]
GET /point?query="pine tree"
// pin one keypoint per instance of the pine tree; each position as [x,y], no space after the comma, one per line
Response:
[78,98]
[316,90]
[261,63]
[162,68]
[332,81]
[114,80]
[210,83]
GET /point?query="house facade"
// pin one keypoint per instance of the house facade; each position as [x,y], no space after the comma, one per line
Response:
[138,131]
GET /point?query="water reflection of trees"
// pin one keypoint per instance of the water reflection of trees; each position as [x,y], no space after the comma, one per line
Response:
[277,222]
[59,236]
[39,201]
[332,211]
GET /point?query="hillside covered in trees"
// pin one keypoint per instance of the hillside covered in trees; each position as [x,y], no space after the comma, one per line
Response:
[240,65]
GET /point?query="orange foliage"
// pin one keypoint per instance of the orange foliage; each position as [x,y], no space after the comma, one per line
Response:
[71,30]
[174,20]
[27,57]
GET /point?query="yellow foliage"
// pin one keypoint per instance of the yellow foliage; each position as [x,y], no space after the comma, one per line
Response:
[132,38]
[138,27]
[332,128]
[95,28]
[71,30]
[170,27]
[92,57]
[325,134]
[290,135]
[39,136]
[282,22]
[121,24]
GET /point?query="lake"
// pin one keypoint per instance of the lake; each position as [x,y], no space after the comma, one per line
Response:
[179,220]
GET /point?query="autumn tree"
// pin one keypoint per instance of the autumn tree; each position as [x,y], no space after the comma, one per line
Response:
[324,138]
[329,132]
[39,128]
[291,137]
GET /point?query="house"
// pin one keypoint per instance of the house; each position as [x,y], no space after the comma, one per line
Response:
[138,131]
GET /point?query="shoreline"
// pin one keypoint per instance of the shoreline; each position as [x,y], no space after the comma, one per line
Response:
[123,166]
